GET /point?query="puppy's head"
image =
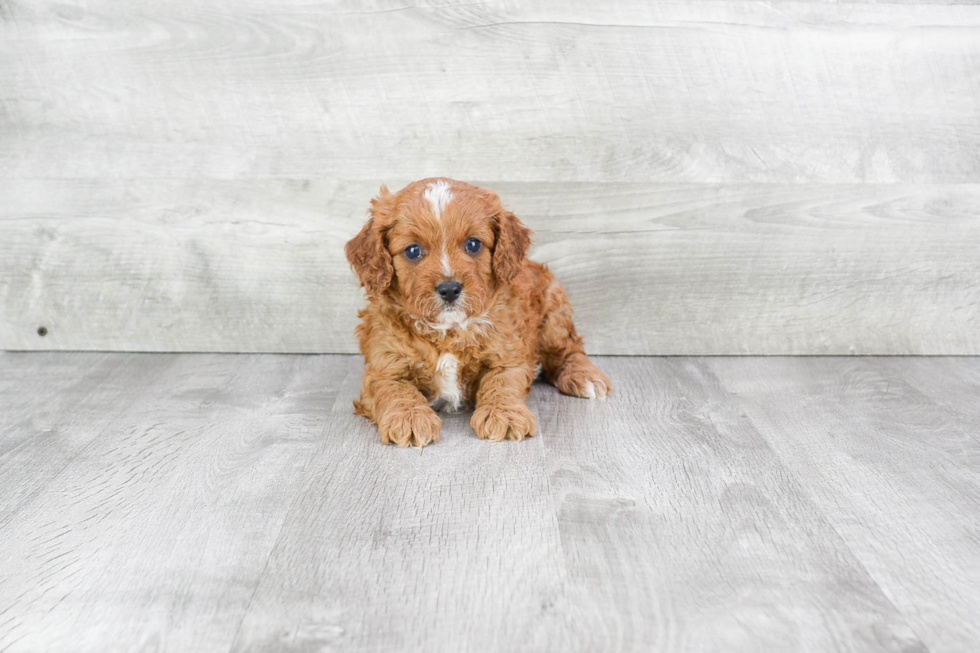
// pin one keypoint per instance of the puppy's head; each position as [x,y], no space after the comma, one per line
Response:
[440,247]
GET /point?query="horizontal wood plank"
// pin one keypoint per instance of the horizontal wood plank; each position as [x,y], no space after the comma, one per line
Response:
[706,177]
[676,91]
[162,265]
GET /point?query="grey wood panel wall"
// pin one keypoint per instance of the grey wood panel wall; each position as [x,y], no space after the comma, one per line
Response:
[705,177]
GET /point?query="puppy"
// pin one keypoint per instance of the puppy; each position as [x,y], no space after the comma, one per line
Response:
[458,316]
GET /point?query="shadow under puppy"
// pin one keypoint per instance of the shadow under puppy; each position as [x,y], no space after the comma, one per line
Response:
[458,316]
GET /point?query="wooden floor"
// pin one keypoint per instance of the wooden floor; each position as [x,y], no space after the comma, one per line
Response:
[235,503]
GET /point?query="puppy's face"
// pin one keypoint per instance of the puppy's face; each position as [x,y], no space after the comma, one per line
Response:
[440,247]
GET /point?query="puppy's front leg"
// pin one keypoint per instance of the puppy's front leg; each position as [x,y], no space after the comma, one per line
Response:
[401,412]
[501,411]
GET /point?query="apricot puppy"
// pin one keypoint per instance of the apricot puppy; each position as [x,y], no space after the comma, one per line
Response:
[458,316]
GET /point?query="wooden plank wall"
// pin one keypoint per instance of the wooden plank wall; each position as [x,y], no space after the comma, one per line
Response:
[706,177]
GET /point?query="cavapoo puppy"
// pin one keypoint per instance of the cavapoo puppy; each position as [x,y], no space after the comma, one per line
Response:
[458,316]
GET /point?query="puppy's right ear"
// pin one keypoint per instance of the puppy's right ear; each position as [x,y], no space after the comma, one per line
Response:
[368,250]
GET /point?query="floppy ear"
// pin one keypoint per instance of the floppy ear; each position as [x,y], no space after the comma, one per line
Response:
[510,250]
[368,250]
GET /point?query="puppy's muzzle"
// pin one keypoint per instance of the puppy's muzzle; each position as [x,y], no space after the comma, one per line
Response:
[449,291]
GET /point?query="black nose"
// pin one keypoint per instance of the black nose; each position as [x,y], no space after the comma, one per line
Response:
[449,290]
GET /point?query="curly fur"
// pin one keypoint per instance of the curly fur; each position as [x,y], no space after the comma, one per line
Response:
[511,320]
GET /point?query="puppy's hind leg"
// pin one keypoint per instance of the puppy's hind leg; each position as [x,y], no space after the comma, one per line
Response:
[562,353]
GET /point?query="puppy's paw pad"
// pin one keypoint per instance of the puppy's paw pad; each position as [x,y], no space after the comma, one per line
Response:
[510,422]
[415,427]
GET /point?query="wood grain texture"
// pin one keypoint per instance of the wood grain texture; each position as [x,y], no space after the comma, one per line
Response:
[706,177]
[142,494]
[666,504]
[234,503]
[48,416]
[675,91]
[385,548]
[165,265]
[640,523]
[889,452]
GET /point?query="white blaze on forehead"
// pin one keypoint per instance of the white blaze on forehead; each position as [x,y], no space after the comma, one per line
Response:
[438,194]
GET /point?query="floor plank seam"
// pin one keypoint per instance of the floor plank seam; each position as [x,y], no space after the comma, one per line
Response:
[806,491]
[330,427]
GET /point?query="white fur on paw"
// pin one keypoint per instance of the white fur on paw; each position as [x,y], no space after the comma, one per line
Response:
[595,389]
[589,390]
[600,390]
[588,384]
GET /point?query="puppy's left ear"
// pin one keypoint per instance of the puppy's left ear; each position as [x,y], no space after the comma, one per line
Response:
[367,252]
[510,250]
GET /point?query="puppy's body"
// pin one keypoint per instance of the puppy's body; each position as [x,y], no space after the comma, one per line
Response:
[448,327]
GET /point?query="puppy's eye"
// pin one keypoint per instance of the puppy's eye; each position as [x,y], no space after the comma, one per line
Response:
[413,252]
[473,245]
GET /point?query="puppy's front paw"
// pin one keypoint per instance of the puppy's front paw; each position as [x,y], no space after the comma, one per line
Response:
[414,427]
[504,422]
[584,379]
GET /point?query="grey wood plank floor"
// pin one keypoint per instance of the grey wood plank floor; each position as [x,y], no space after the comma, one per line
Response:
[180,502]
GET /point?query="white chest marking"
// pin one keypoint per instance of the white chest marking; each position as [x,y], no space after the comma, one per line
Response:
[438,193]
[447,376]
